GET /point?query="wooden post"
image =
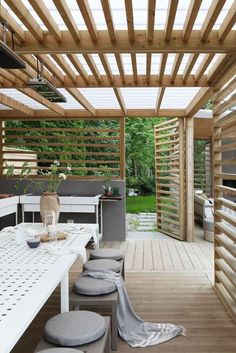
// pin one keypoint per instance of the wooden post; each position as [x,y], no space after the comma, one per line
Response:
[189,179]
[182,179]
[122,147]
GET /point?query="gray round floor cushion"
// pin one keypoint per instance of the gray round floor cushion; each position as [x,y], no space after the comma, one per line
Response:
[93,286]
[102,264]
[60,350]
[74,328]
[113,254]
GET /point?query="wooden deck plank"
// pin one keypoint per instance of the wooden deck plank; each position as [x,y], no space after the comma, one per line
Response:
[186,260]
[157,256]
[147,255]
[166,258]
[138,257]
[177,262]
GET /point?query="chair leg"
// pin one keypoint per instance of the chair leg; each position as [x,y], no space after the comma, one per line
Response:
[114,331]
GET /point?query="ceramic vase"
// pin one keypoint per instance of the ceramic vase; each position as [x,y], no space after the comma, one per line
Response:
[50,204]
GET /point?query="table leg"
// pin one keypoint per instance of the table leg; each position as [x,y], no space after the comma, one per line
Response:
[65,293]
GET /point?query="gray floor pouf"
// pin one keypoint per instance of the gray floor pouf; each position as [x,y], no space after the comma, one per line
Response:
[74,328]
[113,254]
[93,286]
[102,264]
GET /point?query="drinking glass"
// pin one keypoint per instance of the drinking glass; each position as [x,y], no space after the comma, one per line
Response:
[70,221]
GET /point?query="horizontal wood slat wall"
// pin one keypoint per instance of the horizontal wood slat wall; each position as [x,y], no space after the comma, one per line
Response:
[224,151]
[93,149]
[203,165]
[169,173]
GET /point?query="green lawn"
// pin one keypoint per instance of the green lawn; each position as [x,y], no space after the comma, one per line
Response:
[137,204]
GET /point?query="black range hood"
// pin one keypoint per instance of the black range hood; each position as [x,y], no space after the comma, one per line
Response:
[47,90]
[9,59]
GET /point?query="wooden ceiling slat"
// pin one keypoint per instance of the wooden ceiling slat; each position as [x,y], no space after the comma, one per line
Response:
[228,23]
[130,19]
[47,62]
[189,66]
[64,66]
[92,65]
[107,68]
[12,24]
[148,67]
[120,66]
[203,66]
[42,11]
[14,104]
[76,94]
[151,19]
[25,16]
[171,13]
[68,19]
[134,67]
[88,19]
[176,65]
[19,74]
[225,73]
[203,95]
[160,96]
[162,67]
[120,100]
[211,17]
[8,76]
[79,67]
[215,71]
[40,99]
[191,18]
[109,21]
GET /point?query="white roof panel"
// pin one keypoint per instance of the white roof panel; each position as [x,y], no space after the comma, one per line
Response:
[101,98]
[139,98]
[22,98]
[178,97]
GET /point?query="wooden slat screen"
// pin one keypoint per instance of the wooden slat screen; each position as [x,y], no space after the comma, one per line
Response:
[224,123]
[169,169]
[203,165]
[92,148]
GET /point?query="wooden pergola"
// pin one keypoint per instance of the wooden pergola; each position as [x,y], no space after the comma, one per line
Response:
[170,59]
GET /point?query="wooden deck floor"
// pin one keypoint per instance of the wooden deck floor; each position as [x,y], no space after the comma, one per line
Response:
[167,281]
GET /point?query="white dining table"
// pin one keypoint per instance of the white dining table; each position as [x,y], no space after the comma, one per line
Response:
[29,276]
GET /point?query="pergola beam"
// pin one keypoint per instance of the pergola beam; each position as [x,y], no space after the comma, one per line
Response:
[176,65]
[12,24]
[130,20]
[162,67]
[228,23]
[189,66]
[190,18]
[64,66]
[88,19]
[42,11]
[14,104]
[203,66]
[82,100]
[151,19]
[134,67]
[120,67]
[140,44]
[120,100]
[79,67]
[160,96]
[93,67]
[67,17]
[107,68]
[109,21]
[40,99]
[170,19]
[203,95]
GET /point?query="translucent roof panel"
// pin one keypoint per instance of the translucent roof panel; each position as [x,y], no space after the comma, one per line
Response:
[101,98]
[178,98]
[139,98]
[4,107]
[22,98]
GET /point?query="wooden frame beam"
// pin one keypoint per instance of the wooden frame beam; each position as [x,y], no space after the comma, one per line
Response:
[162,67]
[40,99]
[134,67]
[170,19]
[228,23]
[189,66]
[67,17]
[64,66]
[176,65]
[211,17]
[203,66]
[25,16]
[88,19]
[140,44]
[32,62]
[160,96]
[148,67]
[119,62]
[14,104]
[47,62]
[109,21]
[130,20]
[190,18]
[107,68]
[203,95]
[93,67]
[151,19]
[82,100]
[42,11]
[12,24]
[79,67]
[120,100]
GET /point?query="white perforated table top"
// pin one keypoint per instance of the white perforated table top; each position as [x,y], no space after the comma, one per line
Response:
[29,276]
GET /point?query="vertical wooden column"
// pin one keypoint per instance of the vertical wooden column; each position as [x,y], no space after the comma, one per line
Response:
[189,176]
[182,178]
[122,147]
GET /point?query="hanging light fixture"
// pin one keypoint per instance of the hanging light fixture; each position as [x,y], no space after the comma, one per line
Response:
[8,58]
[45,88]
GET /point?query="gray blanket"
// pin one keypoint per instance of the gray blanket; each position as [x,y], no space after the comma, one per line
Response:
[132,328]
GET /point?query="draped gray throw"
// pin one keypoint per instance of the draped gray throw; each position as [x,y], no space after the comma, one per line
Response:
[132,328]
